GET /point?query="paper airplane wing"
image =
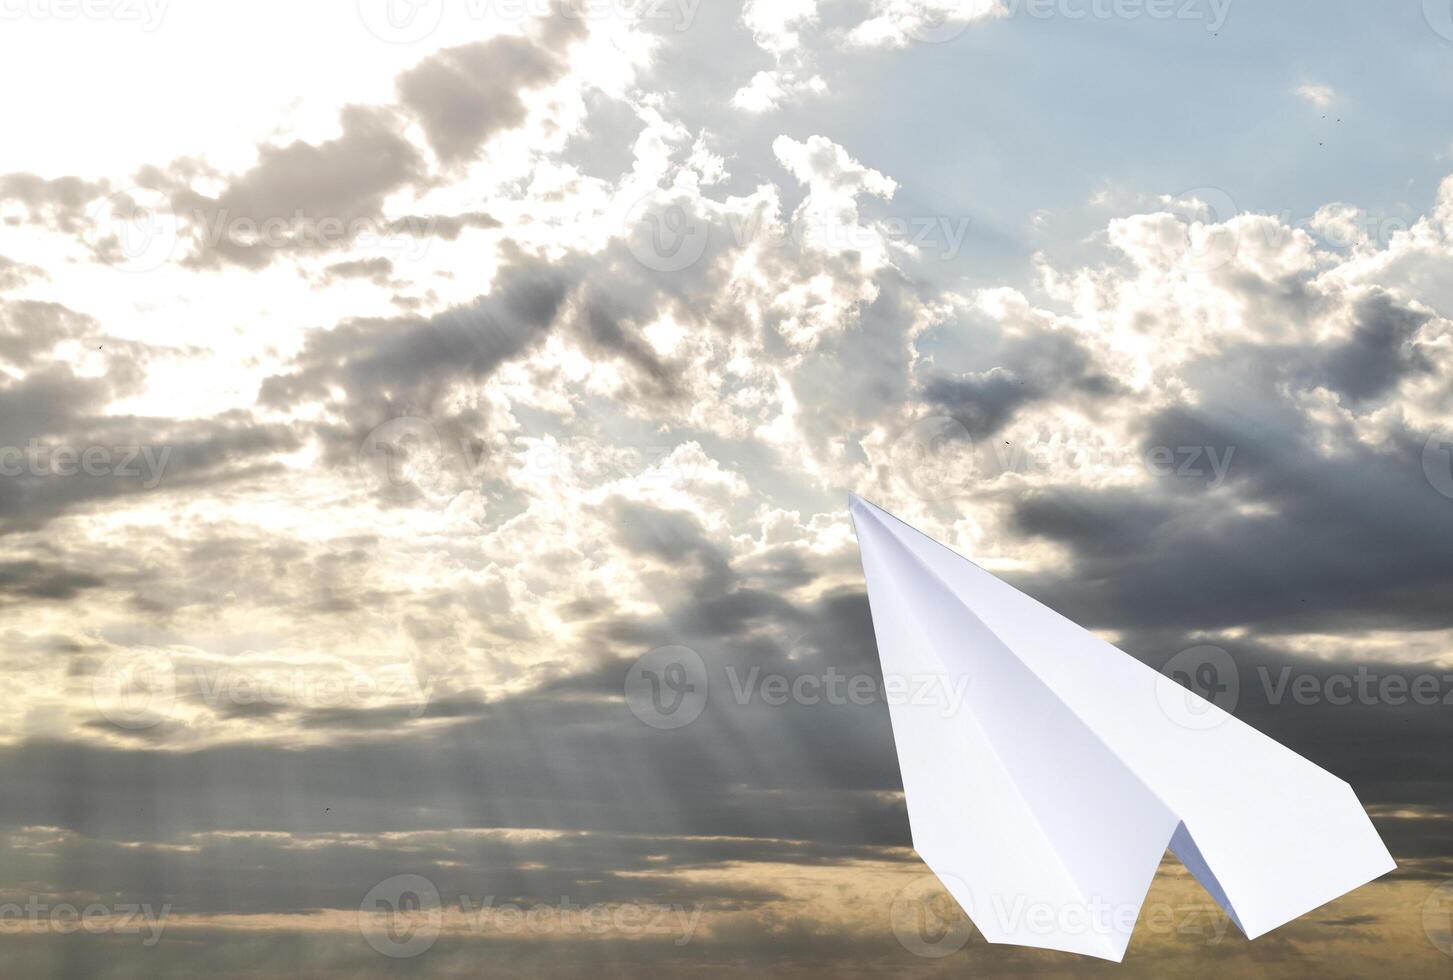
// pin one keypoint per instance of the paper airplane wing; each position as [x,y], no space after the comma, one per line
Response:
[1044,791]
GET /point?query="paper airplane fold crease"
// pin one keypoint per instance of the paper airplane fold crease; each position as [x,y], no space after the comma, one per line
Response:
[1046,798]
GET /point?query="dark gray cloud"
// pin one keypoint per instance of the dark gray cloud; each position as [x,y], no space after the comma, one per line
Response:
[378,270]
[385,367]
[464,95]
[1035,365]
[131,457]
[62,203]
[15,274]
[302,196]
[1298,538]
[30,327]
[1381,351]
[42,580]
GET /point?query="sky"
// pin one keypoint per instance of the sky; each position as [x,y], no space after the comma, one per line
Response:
[426,432]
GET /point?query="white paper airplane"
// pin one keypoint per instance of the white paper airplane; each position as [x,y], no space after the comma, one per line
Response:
[1046,799]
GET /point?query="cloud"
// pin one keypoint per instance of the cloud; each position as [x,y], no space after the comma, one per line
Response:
[462,96]
[899,23]
[409,362]
[421,513]
[61,203]
[1320,96]
[303,196]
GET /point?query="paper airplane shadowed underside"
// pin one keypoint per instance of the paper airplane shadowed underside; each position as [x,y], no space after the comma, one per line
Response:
[1045,801]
